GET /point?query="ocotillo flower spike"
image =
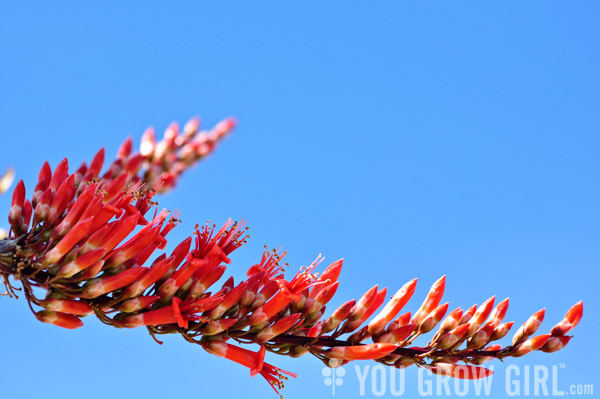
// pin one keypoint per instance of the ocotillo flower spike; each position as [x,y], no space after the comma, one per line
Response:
[96,245]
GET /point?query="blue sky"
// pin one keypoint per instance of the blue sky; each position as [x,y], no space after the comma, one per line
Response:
[412,139]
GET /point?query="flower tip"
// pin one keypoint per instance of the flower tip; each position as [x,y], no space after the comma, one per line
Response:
[231,122]
[441,282]
[540,314]
[575,314]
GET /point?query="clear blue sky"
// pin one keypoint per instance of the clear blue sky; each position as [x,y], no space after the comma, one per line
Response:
[413,139]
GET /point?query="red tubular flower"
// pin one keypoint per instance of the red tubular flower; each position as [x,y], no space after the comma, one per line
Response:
[431,301]
[74,235]
[75,212]
[125,148]
[44,178]
[60,200]
[230,300]
[453,337]
[402,320]
[253,360]
[164,315]
[61,173]
[531,344]
[95,166]
[269,288]
[434,317]
[94,209]
[468,314]
[555,343]
[330,275]
[41,210]
[80,263]
[288,291]
[280,326]
[170,286]
[561,328]
[529,327]
[362,352]
[179,312]
[451,321]
[481,337]
[115,187]
[575,314]
[89,272]
[16,207]
[139,303]
[480,316]
[137,243]
[59,319]
[207,280]
[321,299]
[377,301]
[67,306]
[338,316]
[218,326]
[103,285]
[499,312]
[120,229]
[397,335]
[95,239]
[393,307]
[25,217]
[155,273]
[363,304]
[79,173]
[501,331]
[570,320]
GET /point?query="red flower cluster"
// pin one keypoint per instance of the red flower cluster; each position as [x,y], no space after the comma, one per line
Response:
[69,239]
